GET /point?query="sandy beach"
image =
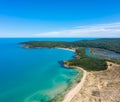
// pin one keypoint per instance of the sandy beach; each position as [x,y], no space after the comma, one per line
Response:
[73,50]
[75,90]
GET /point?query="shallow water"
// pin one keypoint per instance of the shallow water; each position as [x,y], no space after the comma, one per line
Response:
[32,75]
[108,54]
[102,54]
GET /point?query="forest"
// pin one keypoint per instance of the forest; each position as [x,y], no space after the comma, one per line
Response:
[81,60]
[112,44]
[86,62]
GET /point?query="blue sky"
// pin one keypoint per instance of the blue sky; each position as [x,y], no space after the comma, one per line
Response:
[59,18]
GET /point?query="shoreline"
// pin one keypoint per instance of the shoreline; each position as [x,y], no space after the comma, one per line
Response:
[71,93]
[101,86]
[69,49]
[94,86]
[73,50]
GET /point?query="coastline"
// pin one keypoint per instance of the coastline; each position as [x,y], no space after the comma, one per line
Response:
[95,86]
[73,50]
[71,93]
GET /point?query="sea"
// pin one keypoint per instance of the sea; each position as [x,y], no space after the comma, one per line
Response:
[33,75]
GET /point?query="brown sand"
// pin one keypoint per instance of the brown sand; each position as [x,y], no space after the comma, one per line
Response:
[100,86]
[75,90]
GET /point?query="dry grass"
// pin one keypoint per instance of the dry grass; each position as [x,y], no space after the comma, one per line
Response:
[101,86]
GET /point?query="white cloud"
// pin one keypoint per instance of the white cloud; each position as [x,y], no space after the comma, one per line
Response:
[99,30]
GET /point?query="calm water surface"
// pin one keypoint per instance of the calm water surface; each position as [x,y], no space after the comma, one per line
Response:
[32,75]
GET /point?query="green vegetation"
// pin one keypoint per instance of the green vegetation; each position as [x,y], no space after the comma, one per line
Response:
[88,63]
[80,52]
[81,59]
[112,44]
[48,44]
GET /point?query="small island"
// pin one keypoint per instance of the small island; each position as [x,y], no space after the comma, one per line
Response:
[101,79]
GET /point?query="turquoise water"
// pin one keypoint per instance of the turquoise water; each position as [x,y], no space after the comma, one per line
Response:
[90,55]
[32,75]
